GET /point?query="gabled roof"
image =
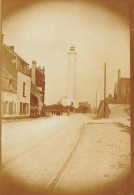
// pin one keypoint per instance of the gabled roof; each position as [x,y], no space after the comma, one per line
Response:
[6,78]
[14,53]
[22,65]
[6,74]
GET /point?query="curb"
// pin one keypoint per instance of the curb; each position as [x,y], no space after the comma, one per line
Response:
[124,125]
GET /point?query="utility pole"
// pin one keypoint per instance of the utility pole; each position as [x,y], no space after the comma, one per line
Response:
[104,89]
[132,90]
[1,40]
[94,106]
[96,101]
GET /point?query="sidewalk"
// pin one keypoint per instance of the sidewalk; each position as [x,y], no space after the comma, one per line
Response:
[23,119]
[126,123]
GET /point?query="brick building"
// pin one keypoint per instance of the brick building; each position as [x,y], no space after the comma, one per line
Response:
[23,89]
[37,94]
[122,90]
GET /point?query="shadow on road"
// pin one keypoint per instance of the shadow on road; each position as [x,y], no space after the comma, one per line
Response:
[11,186]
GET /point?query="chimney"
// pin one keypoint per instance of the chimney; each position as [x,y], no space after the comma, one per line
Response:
[39,68]
[115,90]
[12,48]
[119,75]
[33,72]
[43,71]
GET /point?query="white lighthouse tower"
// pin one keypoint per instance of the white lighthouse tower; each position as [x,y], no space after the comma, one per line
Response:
[71,88]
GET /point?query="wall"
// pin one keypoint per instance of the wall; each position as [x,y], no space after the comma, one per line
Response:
[9,61]
[8,96]
[23,78]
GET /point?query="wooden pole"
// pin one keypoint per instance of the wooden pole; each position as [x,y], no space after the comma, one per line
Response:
[74,76]
[132,87]
[96,101]
[104,89]
[94,105]
[1,40]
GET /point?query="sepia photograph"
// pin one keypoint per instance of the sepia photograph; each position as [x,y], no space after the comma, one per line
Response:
[66,97]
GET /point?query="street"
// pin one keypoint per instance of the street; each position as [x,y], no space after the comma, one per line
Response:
[67,155]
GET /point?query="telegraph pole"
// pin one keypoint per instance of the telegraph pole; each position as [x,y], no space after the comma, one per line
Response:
[104,88]
[0,75]
[94,106]
[96,101]
[132,90]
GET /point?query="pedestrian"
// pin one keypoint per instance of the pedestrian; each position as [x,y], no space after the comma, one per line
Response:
[68,112]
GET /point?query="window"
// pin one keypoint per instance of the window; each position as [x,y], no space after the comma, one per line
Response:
[24,68]
[10,108]
[14,110]
[21,108]
[13,61]
[5,107]
[25,108]
[24,89]
[10,84]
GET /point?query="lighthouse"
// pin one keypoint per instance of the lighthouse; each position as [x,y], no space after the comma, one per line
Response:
[71,88]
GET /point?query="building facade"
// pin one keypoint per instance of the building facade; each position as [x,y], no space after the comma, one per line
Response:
[37,94]
[15,101]
[122,90]
[8,94]
[23,89]
[84,107]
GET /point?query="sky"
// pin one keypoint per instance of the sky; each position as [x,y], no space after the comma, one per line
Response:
[44,32]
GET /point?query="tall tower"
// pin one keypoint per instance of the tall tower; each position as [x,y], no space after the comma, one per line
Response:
[71,89]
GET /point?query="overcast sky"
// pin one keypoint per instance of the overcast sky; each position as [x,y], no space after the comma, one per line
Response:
[44,32]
